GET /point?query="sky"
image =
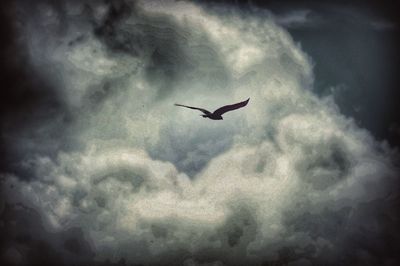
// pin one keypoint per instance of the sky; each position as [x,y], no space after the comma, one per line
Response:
[100,168]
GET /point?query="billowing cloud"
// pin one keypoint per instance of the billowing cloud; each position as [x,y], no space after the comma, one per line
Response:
[288,179]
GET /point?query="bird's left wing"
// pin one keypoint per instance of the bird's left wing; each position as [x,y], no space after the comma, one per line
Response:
[196,108]
[231,107]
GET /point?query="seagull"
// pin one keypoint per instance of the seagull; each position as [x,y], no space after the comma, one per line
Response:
[217,114]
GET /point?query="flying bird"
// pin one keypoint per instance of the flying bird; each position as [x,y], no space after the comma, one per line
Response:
[217,114]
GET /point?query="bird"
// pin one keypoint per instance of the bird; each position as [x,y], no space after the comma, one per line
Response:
[217,114]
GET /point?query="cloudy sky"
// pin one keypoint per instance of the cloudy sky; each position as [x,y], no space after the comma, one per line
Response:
[100,168]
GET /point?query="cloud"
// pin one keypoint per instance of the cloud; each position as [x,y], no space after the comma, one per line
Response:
[287,179]
[382,25]
[294,19]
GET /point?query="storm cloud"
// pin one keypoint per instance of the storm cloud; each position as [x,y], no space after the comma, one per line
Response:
[106,170]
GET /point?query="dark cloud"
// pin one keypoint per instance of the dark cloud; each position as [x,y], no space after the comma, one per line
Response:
[25,241]
[162,44]
[30,106]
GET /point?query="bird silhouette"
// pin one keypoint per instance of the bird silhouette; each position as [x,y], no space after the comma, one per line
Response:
[217,114]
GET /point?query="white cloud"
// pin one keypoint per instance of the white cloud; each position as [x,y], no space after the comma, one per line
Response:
[294,18]
[288,151]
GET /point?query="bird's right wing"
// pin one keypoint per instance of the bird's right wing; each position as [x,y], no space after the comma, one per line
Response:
[231,107]
[196,108]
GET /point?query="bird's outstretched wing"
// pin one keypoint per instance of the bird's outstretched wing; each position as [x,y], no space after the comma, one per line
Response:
[196,108]
[231,107]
